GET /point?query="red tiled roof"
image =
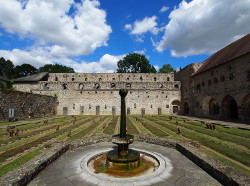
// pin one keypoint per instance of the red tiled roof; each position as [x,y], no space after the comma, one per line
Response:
[232,51]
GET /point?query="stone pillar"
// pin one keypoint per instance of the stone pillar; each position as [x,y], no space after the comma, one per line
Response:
[123,93]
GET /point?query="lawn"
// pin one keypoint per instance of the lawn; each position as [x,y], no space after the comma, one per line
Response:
[231,146]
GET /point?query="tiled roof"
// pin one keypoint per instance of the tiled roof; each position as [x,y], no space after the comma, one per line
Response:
[230,52]
[32,78]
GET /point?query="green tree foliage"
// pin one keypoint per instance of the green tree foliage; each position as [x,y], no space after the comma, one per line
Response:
[24,70]
[7,67]
[56,68]
[135,63]
[167,68]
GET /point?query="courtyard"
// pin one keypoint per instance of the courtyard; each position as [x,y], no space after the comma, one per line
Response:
[228,145]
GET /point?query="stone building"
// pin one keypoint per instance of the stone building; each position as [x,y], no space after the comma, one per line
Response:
[219,87]
[97,93]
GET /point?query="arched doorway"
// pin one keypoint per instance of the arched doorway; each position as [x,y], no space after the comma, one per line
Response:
[230,108]
[176,106]
[245,106]
[186,108]
[214,108]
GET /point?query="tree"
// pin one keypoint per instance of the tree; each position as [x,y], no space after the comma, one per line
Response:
[135,63]
[24,70]
[56,68]
[7,67]
[167,68]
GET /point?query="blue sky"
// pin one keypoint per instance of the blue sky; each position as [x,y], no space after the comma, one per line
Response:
[92,35]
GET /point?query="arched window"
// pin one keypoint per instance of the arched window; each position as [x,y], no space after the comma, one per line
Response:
[167,78]
[80,86]
[65,86]
[97,86]
[112,85]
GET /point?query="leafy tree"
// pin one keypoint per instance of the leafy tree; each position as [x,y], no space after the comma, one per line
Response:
[135,63]
[24,70]
[167,68]
[7,67]
[56,68]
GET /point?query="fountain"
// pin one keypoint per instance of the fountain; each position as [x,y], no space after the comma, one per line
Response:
[123,158]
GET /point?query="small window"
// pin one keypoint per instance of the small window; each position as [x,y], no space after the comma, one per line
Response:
[155,78]
[97,86]
[89,106]
[151,106]
[128,78]
[73,79]
[100,79]
[74,106]
[65,86]
[198,88]
[56,79]
[203,83]
[141,78]
[167,106]
[231,76]
[222,78]
[112,85]
[176,86]
[128,85]
[113,79]
[135,105]
[80,87]
[86,79]
[167,78]
[215,80]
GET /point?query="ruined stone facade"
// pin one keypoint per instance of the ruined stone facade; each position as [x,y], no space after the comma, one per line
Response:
[16,105]
[98,93]
[217,88]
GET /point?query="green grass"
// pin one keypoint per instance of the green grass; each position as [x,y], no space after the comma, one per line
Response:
[19,161]
[231,143]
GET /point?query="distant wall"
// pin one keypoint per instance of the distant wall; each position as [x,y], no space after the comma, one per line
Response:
[15,105]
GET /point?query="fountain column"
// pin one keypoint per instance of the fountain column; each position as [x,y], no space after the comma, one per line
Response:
[123,158]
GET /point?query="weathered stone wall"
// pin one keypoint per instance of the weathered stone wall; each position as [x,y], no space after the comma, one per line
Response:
[16,105]
[80,93]
[211,94]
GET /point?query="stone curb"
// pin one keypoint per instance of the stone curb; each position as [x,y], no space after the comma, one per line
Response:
[26,172]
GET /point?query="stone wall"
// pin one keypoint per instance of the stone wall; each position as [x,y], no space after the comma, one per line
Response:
[94,94]
[15,105]
[219,93]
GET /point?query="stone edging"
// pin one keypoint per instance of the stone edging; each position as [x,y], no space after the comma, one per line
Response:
[26,172]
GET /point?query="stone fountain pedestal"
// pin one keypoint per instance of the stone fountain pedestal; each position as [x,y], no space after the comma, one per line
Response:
[123,158]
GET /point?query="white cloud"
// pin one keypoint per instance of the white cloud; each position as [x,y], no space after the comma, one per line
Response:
[148,24]
[157,68]
[164,9]
[204,26]
[140,51]
[128,27]
[38,58]
[49,23]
